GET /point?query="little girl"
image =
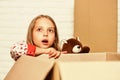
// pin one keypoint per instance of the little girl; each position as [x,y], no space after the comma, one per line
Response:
[42,38]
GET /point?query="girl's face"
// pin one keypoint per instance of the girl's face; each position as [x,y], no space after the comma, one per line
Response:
[43,33]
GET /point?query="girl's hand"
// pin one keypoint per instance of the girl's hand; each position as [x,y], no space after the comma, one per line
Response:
[52,53]
[55,54]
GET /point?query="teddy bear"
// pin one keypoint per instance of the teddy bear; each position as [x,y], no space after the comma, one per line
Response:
[73,45]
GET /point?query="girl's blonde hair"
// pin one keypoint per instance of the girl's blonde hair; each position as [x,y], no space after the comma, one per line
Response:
[31,27]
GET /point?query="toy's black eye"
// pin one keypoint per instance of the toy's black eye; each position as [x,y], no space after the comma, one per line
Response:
[78,46]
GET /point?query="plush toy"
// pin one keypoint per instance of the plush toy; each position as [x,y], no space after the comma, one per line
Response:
[73,45]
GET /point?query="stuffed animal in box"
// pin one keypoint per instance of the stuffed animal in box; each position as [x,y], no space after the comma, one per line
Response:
[73,45]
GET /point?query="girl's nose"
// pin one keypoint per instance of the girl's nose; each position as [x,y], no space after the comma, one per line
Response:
[45,33]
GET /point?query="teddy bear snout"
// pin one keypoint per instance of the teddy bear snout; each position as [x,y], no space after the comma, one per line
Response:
[76,49]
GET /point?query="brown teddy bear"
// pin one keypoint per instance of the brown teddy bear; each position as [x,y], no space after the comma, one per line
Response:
[73,45]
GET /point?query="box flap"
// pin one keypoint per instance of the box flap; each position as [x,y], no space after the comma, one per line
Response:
[29,68]
[89,70]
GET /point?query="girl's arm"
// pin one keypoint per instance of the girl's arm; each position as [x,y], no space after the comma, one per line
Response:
[21,48]
[52,52]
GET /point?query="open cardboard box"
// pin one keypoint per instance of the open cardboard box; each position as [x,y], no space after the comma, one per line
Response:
[89,66]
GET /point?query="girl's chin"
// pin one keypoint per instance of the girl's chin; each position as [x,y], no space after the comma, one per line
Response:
[44,46]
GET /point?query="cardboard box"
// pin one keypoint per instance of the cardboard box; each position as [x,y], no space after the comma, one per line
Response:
[96,66]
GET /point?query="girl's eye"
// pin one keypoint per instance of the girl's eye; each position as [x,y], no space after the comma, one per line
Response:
[50,30]
[39,29]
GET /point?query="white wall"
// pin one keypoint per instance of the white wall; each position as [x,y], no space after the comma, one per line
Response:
[15,16]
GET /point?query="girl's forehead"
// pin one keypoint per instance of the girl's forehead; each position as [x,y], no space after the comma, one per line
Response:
[44,19]
[44,22]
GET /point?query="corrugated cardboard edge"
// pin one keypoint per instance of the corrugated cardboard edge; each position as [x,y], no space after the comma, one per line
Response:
[56,72]
[112,56]
[98,56]
[101,56]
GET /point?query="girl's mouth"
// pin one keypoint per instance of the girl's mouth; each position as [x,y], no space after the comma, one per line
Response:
[45,41]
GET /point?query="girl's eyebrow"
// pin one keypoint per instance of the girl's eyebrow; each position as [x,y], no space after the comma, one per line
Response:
[51,27]
[43,27]
[36,26]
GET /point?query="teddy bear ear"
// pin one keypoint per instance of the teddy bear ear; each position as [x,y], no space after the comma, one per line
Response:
[77,38]
[63,42]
